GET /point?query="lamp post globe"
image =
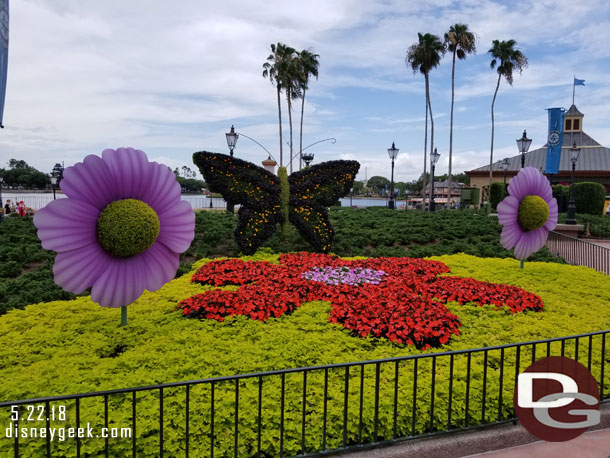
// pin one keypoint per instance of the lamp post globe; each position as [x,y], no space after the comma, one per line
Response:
[53,182]
[505,165]
[523,144]
[433,160]
[308,158]
[392,152]
[232,137]
[574,153]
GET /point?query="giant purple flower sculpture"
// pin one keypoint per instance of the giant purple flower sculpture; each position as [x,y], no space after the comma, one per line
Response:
[121,229]
[528,213]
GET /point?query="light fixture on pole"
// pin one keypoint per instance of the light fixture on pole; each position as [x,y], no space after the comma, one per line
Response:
[232,139]
[307,158]
[53,181]
[523,144]
[574,153]
[433,160]
[351,194]
[505,165]
[392,152]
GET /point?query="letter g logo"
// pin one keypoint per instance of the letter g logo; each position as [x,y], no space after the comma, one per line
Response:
[557,399]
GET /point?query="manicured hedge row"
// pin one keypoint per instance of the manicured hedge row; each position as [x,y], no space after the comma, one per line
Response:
[75,346]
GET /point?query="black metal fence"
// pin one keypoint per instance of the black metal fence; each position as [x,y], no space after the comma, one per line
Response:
[302,412]
[580,252]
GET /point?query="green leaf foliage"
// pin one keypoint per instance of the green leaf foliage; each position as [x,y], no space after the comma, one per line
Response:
[67,347]
[589,198]
[498,192]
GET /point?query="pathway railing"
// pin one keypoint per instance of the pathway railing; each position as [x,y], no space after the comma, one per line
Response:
[305,411]
[580,252]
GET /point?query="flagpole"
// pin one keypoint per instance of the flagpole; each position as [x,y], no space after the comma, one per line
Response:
[573,88]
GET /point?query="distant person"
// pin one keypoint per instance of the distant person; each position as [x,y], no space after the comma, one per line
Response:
[608,209]
[7,207]
[21,209]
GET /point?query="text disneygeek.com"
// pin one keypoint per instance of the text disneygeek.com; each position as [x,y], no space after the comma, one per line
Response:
[61,434]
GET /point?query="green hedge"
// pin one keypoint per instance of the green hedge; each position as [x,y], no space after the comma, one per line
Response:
[562,194]
[498,192]
[76,346]
[589,198]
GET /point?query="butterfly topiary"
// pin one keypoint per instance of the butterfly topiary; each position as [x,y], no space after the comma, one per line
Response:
[266,200]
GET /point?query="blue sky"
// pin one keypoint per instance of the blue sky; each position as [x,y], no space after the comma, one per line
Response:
[171,80]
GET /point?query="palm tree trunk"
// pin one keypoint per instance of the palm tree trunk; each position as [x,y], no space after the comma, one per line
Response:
[451,130]
[423,202]
[491,154]
[279,110]
[431,134]
[288,97]
[301,132]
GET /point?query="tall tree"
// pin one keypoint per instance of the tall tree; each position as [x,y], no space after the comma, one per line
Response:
[272,70]
[290,75]
[459,41]
[422,57]
[506,58]
[308,66]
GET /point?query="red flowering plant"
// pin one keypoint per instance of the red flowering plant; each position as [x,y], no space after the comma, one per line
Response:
[401,299]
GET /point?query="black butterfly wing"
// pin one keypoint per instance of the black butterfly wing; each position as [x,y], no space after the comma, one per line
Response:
[252,187]
[239,182]
[311,191]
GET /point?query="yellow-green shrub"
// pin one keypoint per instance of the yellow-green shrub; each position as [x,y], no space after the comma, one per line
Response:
[69,347]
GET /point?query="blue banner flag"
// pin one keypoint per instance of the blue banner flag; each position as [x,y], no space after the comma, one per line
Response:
[3,53]
[554,140]
[579,82]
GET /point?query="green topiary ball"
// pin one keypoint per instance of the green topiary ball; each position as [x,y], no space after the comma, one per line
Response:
[127,227]
[533,213]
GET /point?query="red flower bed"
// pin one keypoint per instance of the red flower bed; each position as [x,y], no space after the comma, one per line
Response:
[407,307]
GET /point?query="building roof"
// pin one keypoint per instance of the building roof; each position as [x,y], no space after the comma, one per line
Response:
[573,111]
[593,156]
[445,183]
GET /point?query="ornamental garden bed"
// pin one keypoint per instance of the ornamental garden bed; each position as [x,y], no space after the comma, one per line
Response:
[75,346]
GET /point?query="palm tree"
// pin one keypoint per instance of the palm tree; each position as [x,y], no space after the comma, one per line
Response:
[423,56]
[309,66]
[507,58]
[460,42]
[272,70]
[290,75]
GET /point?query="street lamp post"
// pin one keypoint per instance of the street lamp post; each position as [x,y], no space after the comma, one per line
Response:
[433,160]
[351,193]
[505,165]
[53,182]
[392,152]
[523,144]
[231,141]
[574,153]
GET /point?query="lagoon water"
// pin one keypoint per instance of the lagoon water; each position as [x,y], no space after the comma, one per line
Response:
[37,200]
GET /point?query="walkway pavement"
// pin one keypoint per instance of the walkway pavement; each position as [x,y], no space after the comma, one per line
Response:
[595,444]
[602,242]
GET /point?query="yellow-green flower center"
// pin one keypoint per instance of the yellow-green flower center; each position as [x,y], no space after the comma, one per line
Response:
[533,213]
[127,227]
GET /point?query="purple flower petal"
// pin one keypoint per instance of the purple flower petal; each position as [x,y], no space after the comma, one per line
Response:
[164,190]
[66,224]
[131,171]
[508,210]
[90,181]
[551,223]
[121,283]
[511,233]
[530,242]
[177,226]
[76,270]
[161,264]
